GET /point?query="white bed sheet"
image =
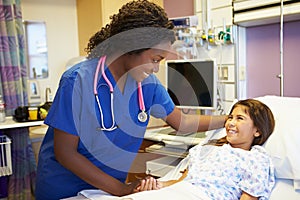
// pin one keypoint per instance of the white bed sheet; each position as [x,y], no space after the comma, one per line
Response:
[184,191]
[179,191]
[284,189]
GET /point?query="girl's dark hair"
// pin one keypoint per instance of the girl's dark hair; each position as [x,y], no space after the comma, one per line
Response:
[261,116]
[139,25]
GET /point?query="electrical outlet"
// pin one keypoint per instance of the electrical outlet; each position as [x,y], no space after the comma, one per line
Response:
[242,73]
[225,73]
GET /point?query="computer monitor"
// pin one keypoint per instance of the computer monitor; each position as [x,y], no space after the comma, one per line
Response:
[192,84]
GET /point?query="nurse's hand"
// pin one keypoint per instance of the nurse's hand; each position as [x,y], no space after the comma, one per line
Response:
[149,183]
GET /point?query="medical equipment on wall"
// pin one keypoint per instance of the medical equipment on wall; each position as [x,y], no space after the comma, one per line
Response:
[142,116]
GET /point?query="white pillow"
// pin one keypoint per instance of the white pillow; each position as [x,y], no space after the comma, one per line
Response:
[283,145]
[214,134]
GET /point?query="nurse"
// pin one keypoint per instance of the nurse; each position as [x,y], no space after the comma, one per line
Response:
[102,107]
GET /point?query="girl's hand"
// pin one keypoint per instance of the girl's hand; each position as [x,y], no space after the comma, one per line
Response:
[149,183]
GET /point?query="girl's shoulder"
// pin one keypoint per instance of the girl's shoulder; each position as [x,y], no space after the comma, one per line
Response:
[259,149]
[260,152]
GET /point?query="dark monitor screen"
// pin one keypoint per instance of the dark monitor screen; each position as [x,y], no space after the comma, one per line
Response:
[192,83]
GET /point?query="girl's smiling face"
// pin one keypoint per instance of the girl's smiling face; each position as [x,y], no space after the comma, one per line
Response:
[240,129]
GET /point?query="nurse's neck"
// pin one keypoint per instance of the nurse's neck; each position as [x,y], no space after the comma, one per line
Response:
[118,71]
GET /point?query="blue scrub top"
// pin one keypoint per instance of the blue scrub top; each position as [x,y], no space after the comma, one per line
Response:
[75,111]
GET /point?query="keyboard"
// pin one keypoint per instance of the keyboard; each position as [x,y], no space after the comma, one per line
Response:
[169,151]
[170,131]
[169,134]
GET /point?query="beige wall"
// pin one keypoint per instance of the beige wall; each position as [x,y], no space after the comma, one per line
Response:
[62,35]
[89,21]
[95,14]
[110,7]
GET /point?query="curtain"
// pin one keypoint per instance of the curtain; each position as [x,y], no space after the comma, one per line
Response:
[21,184]
[13,73]
[13,78]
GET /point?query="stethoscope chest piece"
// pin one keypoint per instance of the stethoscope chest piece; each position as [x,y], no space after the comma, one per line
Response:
[142,116]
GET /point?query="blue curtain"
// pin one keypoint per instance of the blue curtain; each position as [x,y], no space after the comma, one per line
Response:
[13,77]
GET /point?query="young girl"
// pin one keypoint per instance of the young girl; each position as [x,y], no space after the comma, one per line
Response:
[235,166]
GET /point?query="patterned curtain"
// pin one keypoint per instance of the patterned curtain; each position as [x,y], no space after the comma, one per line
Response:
[13,73]
[13,77]
[21,184]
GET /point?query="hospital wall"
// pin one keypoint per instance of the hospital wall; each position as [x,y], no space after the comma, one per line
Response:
[66,41]
[68,30]
[254,58]
[217,15]
[62,35]
[263,59]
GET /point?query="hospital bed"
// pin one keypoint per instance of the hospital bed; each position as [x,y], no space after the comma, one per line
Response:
[282,145]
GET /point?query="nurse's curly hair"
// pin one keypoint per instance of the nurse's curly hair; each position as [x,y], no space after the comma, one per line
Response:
[138,25]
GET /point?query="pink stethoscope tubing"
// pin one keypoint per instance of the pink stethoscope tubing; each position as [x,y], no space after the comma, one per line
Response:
[142,116]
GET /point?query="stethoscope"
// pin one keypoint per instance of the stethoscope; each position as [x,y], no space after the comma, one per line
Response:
[142,116]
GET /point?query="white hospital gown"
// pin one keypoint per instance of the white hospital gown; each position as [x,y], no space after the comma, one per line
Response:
[224,172]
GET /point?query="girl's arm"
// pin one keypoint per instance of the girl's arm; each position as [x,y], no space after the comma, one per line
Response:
[162,184]
[246,196]
[150,183]
[65,149]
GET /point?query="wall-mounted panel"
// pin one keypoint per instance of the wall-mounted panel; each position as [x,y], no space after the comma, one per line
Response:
[198,5]
[219,4]
[201,25]
[221,16]
[248,4]
[250,15]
